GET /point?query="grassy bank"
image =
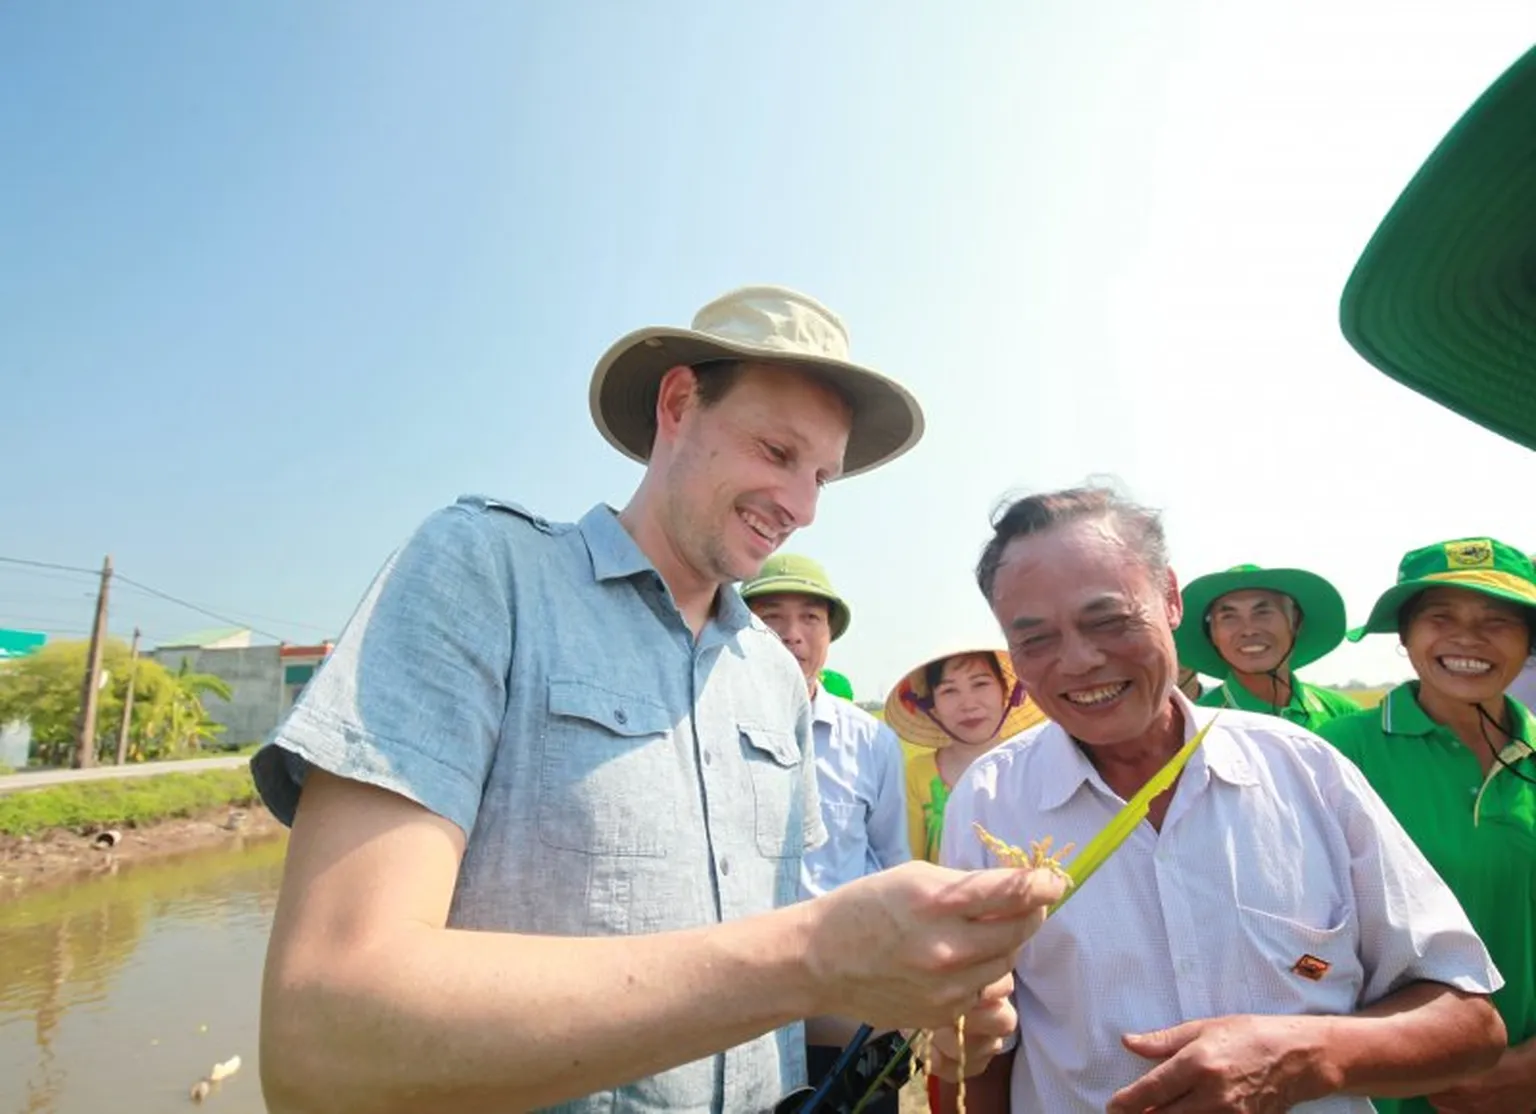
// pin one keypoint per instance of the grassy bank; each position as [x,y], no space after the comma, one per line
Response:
[125,803]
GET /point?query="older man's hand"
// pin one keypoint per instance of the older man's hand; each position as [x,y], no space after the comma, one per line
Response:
[1509,1087]
[1247,1063]
[987,1028]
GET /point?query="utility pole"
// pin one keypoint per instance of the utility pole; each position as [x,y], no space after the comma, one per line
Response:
[85,755]
[122,732]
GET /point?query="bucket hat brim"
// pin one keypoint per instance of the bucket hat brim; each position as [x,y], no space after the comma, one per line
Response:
[838,612]
[1443,298]
[908,706]
[1323,619]
[887,420]
[1489,582]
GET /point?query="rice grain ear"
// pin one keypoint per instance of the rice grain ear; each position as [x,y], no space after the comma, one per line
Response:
[1041,857]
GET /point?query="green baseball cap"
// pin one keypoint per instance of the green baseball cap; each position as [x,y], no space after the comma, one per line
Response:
[791,574]
[1443,298]
[1476,564]
[1322,614]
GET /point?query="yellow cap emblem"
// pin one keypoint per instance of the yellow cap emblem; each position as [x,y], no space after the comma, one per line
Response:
[1469,555]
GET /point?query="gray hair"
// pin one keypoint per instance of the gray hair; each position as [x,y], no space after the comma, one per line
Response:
[1140,527]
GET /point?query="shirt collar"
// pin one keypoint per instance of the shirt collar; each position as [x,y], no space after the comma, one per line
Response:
[1234,694]
[1401,714]
[614,553]
[1068,768]
[823,710]
[616,556]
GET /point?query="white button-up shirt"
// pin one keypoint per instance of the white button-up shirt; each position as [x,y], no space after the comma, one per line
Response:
[861,776]
[1279,884]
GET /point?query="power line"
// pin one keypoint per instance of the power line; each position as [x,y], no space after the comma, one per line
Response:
[135,585]
[48,565]
[195,607]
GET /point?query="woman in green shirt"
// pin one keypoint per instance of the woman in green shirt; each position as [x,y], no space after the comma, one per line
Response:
[1452,757]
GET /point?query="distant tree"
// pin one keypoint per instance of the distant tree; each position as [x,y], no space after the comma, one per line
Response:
[169,717]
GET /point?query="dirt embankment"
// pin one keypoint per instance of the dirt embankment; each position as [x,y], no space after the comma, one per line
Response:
[63,855]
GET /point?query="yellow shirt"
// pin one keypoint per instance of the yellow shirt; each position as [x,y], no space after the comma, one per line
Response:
[926,797]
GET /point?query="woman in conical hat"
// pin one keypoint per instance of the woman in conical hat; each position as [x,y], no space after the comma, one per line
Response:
[953,709]
[1451,755]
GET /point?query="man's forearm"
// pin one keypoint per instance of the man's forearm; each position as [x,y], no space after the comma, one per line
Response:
[1419,1040]
[431,1019]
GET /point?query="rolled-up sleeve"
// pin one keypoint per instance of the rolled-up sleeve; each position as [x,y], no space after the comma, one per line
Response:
[413,695]
[1412,928]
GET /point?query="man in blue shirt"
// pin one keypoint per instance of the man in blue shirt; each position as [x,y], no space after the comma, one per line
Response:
[551,791]
[860,774]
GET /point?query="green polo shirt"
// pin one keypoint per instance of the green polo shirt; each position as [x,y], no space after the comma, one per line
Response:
[1479,832]
[1310,706]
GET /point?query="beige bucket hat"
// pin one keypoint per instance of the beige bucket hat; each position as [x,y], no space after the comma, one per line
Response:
[764,324]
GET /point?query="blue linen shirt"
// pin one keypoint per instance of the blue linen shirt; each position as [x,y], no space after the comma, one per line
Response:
[861,778]
[534,683]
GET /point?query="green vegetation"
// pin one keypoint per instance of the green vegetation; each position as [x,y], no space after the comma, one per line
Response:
[123,802]
[1366,698]
[169,720]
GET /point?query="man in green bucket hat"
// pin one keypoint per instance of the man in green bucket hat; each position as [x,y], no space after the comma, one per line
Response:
[860,767]
[1253,627]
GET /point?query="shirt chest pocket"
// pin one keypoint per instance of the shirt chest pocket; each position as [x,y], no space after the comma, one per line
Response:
[778,790]
[1294,966]
[609,781]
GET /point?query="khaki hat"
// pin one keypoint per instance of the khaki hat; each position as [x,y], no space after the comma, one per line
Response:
[791,574]
[909,707]
[766,325]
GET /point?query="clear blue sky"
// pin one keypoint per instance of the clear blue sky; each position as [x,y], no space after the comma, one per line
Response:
[277,278]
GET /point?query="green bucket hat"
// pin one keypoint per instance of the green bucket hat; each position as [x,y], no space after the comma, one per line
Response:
[1476,564]
[791,574]
[1322,614]
[1443,299]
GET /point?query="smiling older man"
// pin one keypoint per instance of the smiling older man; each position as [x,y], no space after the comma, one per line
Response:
[1268,938]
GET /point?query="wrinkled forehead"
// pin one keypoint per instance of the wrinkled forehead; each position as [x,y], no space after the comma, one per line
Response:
[1245,598]
[1068,572]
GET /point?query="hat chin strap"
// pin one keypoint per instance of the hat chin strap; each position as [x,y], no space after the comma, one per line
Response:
[1274,673]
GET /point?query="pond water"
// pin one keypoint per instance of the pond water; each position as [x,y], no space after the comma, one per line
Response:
[118,993]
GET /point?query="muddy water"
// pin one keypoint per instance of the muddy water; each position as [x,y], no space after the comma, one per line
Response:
[119,993]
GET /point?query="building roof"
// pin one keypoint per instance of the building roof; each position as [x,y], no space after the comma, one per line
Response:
[211,637]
